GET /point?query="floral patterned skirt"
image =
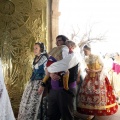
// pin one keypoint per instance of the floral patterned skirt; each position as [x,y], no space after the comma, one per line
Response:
[96,97]
[30,106]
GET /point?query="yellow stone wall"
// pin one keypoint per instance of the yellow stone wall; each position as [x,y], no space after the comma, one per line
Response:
[22,23]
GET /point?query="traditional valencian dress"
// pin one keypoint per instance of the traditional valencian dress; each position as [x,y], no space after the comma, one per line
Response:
[96,94]
[108,63]
[6,112]
[30,106]
[116,79]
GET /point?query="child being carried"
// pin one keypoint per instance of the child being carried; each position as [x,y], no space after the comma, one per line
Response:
[54,56]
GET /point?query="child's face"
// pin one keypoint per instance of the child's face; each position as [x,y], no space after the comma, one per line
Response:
[37,50]
[86,52]
[70,46]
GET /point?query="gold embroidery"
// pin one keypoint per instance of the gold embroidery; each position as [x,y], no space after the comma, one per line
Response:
[99,111]
[93,63]
[108,110]
[98,107]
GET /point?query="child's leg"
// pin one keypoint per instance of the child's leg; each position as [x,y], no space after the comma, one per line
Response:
[47,74]
[65,80]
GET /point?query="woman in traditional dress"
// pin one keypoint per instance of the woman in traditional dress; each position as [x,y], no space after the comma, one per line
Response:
[96,94]
[116,76]
[30,106]
[108,62]
[6,112]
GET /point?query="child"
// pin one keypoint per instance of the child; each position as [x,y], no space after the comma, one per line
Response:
[56,55]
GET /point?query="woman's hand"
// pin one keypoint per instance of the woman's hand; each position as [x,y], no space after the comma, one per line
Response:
[93,71]
[78,81]
[96,71]
[54,76]
[90,71]
[40,90]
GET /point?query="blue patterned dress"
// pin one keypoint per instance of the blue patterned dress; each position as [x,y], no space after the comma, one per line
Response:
[30,106]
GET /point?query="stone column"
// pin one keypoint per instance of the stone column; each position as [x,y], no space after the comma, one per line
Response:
[49,24]
[55,20]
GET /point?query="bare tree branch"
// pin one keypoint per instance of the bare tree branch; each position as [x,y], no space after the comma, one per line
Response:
[75,33]
[86,38]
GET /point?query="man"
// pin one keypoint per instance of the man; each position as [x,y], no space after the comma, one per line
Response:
[60,104]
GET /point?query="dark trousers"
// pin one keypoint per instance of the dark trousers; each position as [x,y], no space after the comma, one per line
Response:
[78,89]
[60,105]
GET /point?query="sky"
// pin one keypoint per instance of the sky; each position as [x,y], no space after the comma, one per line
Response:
[101,16]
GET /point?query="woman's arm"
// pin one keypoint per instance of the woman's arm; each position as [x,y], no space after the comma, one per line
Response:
[78,77]
[99,70]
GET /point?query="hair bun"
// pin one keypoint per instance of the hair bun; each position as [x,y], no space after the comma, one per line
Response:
[42,48]
[87,46]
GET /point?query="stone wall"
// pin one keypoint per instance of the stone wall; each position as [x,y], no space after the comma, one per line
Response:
[55,21]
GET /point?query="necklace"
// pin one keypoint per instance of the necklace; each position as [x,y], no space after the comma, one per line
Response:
[36,60]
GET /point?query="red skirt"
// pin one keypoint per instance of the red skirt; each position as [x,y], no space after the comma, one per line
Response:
[96,97]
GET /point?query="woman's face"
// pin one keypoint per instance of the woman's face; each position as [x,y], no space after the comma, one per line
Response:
[86,52]
[37,50]
[59,42]
[116,56]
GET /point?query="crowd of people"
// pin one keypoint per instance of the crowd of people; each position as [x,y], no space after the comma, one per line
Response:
[57,88]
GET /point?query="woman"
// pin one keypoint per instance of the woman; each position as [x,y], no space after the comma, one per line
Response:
[96,94]
[116,76]
[30,106]
[6,112]
[108,62]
